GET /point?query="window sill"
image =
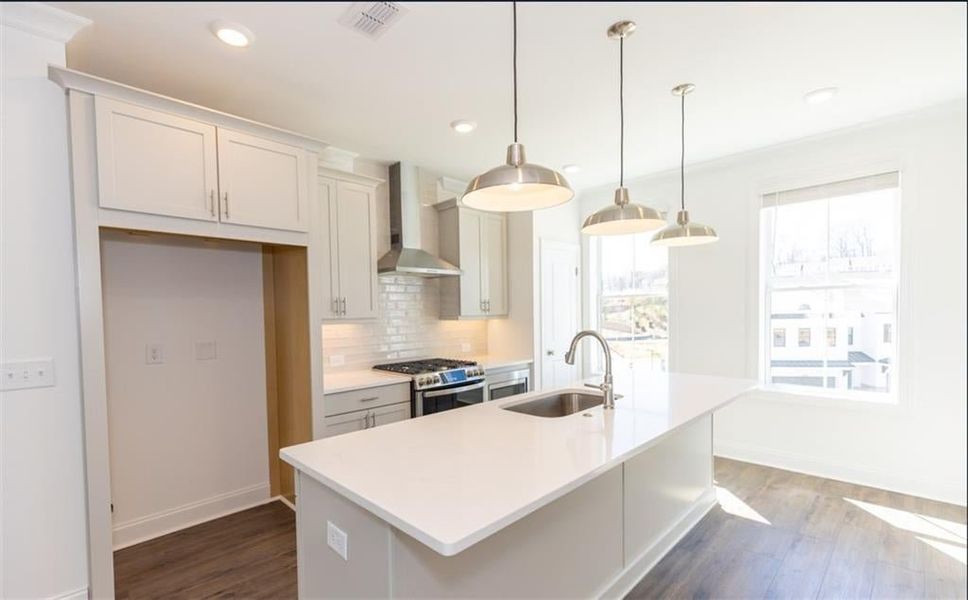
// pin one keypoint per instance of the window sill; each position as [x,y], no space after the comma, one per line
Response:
[863,401]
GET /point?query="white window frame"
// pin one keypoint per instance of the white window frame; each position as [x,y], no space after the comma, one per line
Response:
[763,346]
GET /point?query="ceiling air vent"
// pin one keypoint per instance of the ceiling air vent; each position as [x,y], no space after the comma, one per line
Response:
[372,18]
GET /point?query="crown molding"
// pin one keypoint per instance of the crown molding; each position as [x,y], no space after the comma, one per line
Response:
[42,20]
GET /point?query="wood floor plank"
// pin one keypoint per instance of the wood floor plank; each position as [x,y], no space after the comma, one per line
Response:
[891,581]
[801,572]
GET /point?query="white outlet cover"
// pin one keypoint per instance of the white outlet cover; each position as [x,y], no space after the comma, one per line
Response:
[336,539]
[465,347]
[336,360]
[205,351]
[154,354]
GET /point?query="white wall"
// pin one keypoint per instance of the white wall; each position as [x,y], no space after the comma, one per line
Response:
[917,446]
[188,437]
[43,549]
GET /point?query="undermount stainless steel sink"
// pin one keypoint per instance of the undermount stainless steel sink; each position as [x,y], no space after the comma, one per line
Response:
[557,405]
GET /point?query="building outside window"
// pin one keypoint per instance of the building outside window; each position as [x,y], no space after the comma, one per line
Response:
[631,286]
[779,338]
[830,262]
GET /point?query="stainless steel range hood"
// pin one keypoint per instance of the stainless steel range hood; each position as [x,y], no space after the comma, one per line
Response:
[406,257]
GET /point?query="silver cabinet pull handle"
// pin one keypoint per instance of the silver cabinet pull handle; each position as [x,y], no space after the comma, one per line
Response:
[211,202]
[342,306]
[366,421]
[369,399]
[372,420]
[226,205]
[334,306]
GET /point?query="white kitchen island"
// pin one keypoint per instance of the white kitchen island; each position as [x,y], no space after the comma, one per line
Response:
[486,502]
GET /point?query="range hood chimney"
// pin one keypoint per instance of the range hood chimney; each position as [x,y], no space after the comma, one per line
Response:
[406,257]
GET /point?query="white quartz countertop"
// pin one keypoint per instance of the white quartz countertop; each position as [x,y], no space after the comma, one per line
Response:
[347,381]
[495,362]
[451,479]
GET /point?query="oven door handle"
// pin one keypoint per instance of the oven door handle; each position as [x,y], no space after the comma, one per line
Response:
[451,391]
[496,385]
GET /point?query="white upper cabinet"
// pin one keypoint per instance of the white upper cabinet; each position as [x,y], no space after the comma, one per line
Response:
[261,182]
[476,242]
[350,231]
[154,162]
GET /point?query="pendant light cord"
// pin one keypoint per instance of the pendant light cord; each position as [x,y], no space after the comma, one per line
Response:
[621,111]
[514,52]
[682,155]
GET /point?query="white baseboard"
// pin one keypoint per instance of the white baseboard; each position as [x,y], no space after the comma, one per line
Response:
[145,528]
[809,465]
[78,594]
[638,567]
[285,501]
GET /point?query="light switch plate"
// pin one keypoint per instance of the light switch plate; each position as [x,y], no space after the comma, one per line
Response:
[26,374]
[336,539]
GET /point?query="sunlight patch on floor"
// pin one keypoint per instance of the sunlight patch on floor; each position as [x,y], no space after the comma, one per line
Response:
[941,529]
[955,551]
[734,506]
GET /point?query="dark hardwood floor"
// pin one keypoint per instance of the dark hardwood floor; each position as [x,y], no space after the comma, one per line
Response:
[775,534]
[250,554]
[779,534]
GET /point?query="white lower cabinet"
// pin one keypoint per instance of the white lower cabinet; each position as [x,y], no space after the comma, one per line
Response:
[365,408]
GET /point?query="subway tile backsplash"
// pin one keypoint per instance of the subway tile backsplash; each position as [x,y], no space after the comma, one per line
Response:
[408,327]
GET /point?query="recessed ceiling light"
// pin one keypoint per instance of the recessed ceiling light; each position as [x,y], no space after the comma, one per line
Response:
[463,126]
[820,95]
[571,168]
[232,34]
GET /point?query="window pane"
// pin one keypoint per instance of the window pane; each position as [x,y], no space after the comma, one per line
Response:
[867,361]
[633,302]
[862,233]
[799,242]
[799,363]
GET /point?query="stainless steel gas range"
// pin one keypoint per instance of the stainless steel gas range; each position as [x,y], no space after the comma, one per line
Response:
[440,384]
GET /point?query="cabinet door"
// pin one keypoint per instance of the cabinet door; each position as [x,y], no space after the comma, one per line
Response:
[471,262]
[494,264]
[325,238]
[262,182]
[153,162]
[356,250]
[392,413]
[346,423]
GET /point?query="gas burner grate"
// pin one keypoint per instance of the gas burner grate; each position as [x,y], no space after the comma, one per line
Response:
[428,365]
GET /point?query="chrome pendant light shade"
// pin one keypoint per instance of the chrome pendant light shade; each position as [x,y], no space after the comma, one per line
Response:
[517,185]
[685,232]
[623,216]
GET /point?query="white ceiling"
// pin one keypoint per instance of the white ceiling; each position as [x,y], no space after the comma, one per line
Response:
[393,98]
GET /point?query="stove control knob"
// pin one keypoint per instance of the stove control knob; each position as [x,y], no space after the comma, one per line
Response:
[422,381]
[436,379]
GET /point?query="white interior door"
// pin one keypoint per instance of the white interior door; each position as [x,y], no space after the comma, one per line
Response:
[560,315]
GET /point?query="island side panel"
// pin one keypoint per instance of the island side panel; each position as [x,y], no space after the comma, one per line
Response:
[666,487]
[322,573]
[566,549]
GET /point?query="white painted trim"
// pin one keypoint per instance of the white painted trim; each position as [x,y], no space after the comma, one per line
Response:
[285,501]
[327,171]
[70,79]
[637,568]
[40,19]
[338,158]
[149,527]
[860,475]
[78,594]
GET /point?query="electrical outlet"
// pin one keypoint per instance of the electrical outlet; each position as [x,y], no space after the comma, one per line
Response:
[465,347]
[205,351]
[337,360]
[336,539]
[26,374]
[154,354]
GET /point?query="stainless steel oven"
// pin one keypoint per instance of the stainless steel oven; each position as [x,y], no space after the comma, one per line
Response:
[439,399]
[505,385]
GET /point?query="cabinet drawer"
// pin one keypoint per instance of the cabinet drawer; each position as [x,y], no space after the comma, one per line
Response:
[344,402]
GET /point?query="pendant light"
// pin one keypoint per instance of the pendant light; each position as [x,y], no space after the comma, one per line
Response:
[623,216]
[684,232]
[517,185]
